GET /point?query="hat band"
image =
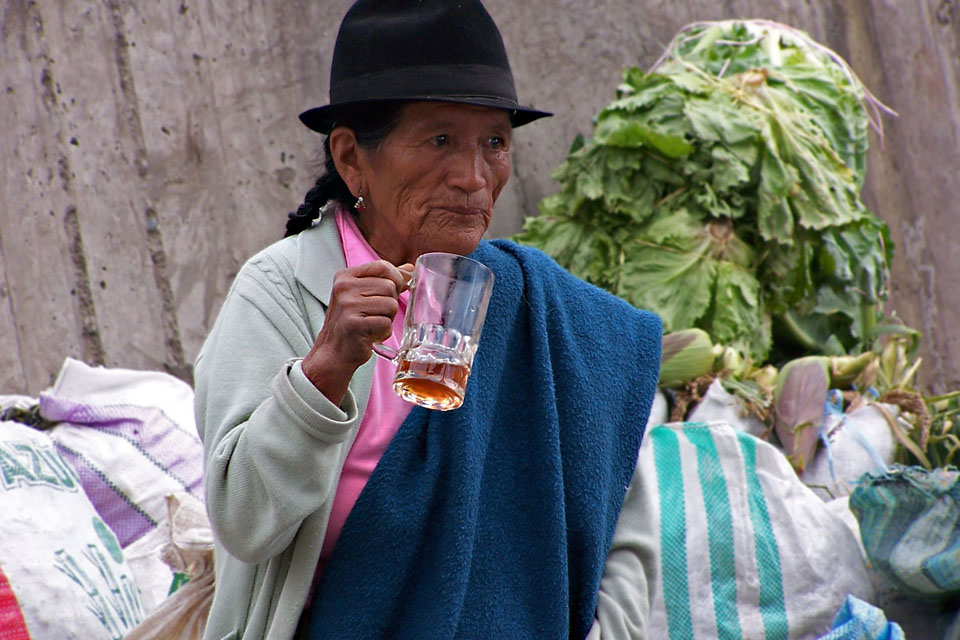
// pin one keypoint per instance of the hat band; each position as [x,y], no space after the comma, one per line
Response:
[427,82]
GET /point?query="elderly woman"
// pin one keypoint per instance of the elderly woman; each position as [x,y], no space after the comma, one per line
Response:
[341,511]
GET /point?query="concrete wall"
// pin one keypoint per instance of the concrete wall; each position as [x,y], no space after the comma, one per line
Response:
[148,148]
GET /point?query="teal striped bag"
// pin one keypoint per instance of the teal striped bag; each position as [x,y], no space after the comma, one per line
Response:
[747,550]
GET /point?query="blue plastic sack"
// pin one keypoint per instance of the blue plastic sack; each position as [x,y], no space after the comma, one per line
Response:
[910,527]
[858,620]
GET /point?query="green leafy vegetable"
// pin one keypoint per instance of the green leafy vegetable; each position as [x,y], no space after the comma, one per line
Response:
[721,190]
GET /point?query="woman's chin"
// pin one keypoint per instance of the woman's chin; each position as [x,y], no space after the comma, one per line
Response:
[459,239]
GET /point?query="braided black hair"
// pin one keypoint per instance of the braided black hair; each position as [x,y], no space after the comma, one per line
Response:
[371,124]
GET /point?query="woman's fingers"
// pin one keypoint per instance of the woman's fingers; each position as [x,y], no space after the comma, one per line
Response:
[406,271]
[381,270]
[363,304]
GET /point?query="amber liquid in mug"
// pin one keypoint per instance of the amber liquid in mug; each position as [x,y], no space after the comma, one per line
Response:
[437,384]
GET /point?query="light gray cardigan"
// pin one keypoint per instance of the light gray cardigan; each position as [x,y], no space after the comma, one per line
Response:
[274,447]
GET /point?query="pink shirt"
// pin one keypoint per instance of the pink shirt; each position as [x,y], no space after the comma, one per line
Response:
[385,409]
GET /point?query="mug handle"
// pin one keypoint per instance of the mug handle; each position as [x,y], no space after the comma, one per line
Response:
[385,352]
[382,350]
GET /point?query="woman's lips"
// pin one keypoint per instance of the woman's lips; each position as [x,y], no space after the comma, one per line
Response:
[466,211]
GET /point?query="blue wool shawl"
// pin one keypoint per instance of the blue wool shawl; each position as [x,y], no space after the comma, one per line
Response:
[494,520]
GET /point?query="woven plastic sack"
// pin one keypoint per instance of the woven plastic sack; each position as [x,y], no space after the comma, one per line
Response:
[857,442]
[859,620]
[910,526]
[659,411]
[172,554]
[747,551]
[132,438]
[188,551]
[719,405]
[63,575]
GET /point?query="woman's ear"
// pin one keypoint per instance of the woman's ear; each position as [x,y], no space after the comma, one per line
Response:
[346,157]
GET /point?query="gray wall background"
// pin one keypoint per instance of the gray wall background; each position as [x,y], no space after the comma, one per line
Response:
[148,148]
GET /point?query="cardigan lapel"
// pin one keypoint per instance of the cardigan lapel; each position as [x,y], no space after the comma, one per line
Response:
[320,256]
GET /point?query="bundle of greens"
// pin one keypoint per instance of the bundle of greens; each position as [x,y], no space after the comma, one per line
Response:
[721,190]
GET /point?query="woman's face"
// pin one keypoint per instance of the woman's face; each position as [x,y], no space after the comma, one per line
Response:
[431,184]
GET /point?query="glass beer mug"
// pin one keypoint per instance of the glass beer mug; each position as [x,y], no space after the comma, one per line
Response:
[448,302]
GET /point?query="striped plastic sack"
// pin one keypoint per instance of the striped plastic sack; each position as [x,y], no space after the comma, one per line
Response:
[747,551]
[910,525]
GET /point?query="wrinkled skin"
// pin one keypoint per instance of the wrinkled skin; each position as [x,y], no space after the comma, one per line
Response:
[430,186]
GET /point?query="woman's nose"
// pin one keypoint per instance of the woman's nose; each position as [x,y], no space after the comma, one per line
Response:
[469,170]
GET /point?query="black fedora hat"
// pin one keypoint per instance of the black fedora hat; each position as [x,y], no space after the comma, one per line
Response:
[406,50]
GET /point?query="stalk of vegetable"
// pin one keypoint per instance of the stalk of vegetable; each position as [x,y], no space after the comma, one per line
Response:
[765,378]
[845,369]
[898,361]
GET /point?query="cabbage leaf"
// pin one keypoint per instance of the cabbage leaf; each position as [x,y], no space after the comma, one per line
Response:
[721,190]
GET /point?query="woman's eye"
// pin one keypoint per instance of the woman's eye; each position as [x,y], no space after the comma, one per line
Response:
[439,140]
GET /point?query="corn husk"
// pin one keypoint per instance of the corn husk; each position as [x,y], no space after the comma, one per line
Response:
[687,354]
[845,369]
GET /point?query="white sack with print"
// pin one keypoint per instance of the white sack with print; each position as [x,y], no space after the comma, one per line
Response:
[63,575]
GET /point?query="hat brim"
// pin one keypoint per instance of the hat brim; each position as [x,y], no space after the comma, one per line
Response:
[324,119]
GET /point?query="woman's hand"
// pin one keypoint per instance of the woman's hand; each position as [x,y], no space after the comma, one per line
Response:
[363,303]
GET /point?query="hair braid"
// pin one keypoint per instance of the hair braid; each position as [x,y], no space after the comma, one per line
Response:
[370,123]
[329,186]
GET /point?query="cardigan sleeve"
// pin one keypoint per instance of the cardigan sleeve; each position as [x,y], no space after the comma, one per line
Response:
[273,444]
[631,570]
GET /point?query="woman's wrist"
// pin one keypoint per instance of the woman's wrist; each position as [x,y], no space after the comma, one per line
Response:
[328,373]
